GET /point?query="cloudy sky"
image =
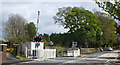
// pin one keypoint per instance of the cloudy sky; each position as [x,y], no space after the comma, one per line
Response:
[47,10]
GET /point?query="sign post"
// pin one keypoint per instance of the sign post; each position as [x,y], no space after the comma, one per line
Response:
[37,38]
[118,37]
[37,45]
[74,44]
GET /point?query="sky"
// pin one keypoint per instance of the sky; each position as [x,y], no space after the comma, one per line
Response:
[48,9]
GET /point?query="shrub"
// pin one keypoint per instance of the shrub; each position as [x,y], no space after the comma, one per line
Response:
[8,49]
[11,50]
[59,52]
[101,49]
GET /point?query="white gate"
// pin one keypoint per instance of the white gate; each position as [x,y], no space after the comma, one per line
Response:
[41,54]
[46,53]
[30,53]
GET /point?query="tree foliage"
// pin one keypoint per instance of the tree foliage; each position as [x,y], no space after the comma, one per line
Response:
[46,39]
[108,27]
[59,39]
[30,31]
[62,13]
[82,25]
[84,22]
[112,8]
[14,29]
[18,30]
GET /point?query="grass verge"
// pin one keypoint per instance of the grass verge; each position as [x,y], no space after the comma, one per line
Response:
[22,58]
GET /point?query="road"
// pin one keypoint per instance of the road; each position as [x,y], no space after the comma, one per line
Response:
[100,58]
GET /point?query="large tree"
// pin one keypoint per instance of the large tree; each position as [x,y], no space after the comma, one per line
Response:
[62,13]
[108,26]
[15,31]
[82,24]
[30,31]
[113,8]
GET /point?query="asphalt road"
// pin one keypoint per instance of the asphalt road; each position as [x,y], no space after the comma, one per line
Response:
[91,59]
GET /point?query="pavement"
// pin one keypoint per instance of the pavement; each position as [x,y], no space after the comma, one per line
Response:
[11,59]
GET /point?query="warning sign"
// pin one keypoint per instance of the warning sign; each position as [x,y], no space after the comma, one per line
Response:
[76,51]
[37,45]
[119,38]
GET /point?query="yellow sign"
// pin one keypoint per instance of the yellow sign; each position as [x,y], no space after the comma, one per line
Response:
[75,50]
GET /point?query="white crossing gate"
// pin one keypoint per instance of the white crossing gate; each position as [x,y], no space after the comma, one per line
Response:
[46,53]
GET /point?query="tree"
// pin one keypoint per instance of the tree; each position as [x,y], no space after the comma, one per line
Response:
[81,24]
[84,22]
[112,8]
[108,26]
[2,41]
[46,39]
[15,32]
[62,13]
[59,39]
[30,31]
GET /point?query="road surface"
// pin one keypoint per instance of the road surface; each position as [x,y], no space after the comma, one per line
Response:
[100,58]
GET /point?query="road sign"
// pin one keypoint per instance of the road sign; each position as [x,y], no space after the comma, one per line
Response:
[37,45]
[74,44]
[76,51]
[118,37]
[37,38]
[51,43]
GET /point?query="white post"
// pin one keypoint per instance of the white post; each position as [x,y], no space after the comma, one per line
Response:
[37,53]
[54,53]
[26,52]
[0,57]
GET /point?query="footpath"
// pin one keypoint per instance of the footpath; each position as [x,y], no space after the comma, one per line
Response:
[11,59]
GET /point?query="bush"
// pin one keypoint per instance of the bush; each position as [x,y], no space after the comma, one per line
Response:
[101,49]
[59,52]
[11,50]
[8,49]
